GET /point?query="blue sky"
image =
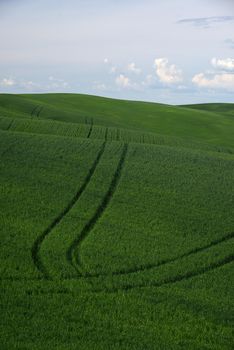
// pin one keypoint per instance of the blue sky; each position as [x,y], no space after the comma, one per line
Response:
[169,51]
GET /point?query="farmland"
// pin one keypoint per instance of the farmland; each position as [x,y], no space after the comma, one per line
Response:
[117,224]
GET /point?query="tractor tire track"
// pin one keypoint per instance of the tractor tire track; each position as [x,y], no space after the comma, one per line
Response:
[75,246]
[10,125]
[168,261]
[91,129]
[34,111]
[117,135]
[35,250]
[39,111]
[106,134]
[171,280]
[225,261]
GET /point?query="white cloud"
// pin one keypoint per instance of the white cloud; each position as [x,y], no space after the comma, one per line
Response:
[123,81]
[106,61]
[132,68]
[218,81]
[7,82]
[167,73]
[225,63]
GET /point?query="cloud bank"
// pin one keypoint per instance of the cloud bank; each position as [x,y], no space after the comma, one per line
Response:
[224,64]
[218,81]
[222,79]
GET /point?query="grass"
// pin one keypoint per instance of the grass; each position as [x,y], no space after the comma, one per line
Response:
[114,237]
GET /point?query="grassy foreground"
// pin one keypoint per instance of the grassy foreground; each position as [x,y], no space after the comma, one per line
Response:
[117,224]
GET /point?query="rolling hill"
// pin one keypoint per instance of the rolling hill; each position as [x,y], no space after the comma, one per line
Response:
[188,123]
[117,224]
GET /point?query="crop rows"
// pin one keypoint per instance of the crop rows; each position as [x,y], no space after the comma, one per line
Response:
[98,132]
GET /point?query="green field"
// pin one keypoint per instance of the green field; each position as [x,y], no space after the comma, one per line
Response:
[117,224]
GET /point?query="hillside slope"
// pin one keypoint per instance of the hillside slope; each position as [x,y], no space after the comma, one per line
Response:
[221,108]
[114,237]
[187,123]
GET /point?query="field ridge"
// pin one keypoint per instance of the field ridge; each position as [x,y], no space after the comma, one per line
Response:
[75,130]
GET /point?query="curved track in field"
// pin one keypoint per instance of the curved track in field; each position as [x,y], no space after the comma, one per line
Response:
[36,111]
[73,254]
[186,276]
[39,111]
[10,125]
[167,261]
[90,129]
[174,279]
[35,250]
[170,280]
[106,134]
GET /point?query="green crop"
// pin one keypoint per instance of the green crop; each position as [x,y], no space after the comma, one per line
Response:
[117,224]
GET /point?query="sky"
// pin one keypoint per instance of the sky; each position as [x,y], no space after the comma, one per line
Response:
[168,51]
